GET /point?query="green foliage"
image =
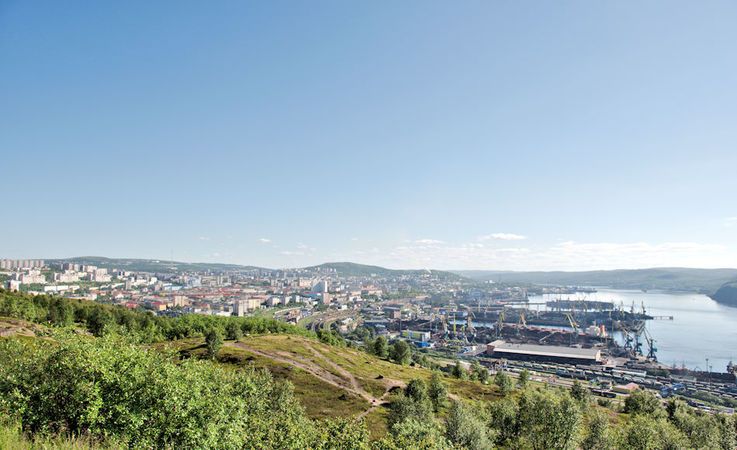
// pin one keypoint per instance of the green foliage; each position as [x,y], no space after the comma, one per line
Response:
[466,429]
[414,434]
[548,419]
[580,393]
[144,327]
[504,420]
[213,342]
[642,402]
[479,373]
[401,352]
[60,312]
[437,392]
[109,388]
[504,382]
[536,419]
[233,331]
[330,337]
[458,371]
[342,434]
[13,438]
[380,347]
[597,435]
[644,432]
[703,430]
[100,321]
[412,403]
[416,390]
[523,379]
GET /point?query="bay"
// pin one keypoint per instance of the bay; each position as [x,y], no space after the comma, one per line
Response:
[701,328]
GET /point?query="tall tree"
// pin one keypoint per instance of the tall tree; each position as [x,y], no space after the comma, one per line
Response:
[459,371]
[233,332]
[416,390]
[464,429]
[401,353]
[523,379]
[437,391]
[580,393]
[505,383]
[597,436]
[643,402]
[380,347]
[213,341]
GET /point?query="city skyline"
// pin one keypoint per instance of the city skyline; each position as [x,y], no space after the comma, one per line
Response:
[572,136]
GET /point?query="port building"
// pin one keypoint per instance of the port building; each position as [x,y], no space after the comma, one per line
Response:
[543,353]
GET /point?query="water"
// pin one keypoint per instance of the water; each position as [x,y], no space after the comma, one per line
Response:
[701,328]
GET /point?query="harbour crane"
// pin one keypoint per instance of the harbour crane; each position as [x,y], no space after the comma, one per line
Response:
[651,349]
[469,321]
[522,322]
[574,325]
[500,323]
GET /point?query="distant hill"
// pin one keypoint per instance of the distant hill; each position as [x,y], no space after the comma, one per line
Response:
[667,278]
[349,269]
[727,294]
[153,265]
[345,269]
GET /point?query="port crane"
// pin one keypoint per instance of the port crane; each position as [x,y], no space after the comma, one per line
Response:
[500,323]
[469,321]
[522,322]
[574,325]
[651,349]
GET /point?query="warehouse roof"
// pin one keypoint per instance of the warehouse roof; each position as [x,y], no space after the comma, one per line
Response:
[545,350]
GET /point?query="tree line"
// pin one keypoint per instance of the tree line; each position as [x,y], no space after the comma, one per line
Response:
[101,319]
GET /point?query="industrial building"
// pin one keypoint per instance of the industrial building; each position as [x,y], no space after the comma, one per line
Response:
[543,353]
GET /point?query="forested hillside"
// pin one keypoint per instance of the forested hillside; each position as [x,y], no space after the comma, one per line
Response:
[97,376]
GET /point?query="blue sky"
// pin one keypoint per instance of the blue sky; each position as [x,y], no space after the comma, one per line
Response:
[475,134]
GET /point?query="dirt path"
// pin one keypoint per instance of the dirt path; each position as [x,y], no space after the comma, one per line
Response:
[343,373]
[348,383]
[343,380]
[391,384]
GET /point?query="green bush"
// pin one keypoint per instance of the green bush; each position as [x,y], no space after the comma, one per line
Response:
[108,387]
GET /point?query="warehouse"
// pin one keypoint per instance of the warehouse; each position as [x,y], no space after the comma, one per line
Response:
[543,353]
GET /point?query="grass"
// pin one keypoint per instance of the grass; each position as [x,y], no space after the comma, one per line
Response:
[12,438]
[322,399]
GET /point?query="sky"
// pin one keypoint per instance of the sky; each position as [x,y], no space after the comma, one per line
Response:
[416,134]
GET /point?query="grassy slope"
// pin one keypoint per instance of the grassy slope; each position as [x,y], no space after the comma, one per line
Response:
[324,376]
[328,381]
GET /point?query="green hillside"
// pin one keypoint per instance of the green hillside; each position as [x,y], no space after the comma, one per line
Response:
[153,265]
[349,269]
[76,374]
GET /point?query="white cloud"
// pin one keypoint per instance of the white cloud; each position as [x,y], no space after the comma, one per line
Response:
[502,237]
[429,242]
[265,240]
[730,222]
[567,255]
[291,253]
[204,238]
[571,255]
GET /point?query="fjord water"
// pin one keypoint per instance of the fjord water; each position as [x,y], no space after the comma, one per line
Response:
[701,328]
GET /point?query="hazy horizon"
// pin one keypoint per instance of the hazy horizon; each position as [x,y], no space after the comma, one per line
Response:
[369,264]
[481,136]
